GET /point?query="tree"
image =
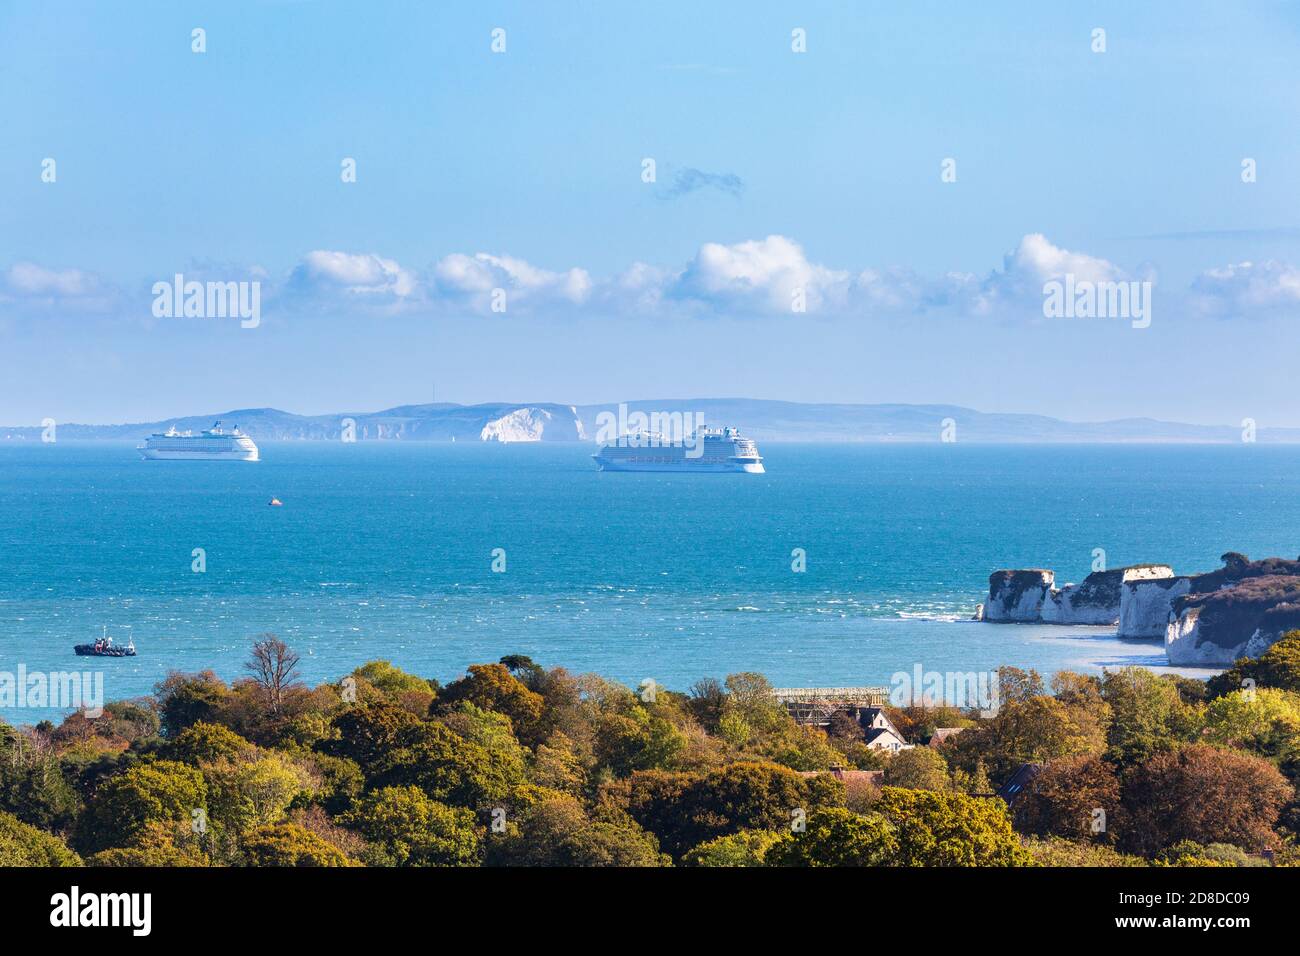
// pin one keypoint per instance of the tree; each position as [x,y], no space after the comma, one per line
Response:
[950,829]
[556,832]
[684,810]
[203,743]
[447,767]
[921,768]
[368,734]
[1278,667]
[746,848]
[1034,730]
[1203,793]
[493,687]
[834,836]
[1063,800]
[409,829]
[288,844]
[23,845]
[185,699]
[1265,722]
[252,791]
[161,792]
[274,667]
[1148,713]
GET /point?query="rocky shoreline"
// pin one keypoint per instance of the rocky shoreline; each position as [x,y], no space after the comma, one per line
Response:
[1205,620]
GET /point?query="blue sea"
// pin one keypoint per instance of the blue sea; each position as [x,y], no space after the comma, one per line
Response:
[385,550]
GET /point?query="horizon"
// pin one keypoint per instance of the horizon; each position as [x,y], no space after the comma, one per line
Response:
[630,187]
[629,401]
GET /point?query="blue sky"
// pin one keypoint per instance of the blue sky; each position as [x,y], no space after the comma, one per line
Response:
[775,170]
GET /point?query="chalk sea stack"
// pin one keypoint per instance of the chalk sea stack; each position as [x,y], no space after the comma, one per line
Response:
[1030,596]
[1206,620]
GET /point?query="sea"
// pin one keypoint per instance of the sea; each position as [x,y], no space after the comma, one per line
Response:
[845,564]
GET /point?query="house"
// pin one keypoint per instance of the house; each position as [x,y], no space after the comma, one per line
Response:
[880,732]
[1018,781]
[942,734]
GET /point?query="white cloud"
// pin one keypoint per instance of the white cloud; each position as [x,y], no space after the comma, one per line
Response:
[33,285]
[472,278]
[365,275]
[758,276]
[1247,288]
[1034,261]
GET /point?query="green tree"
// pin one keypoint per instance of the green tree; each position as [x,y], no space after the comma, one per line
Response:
[23,845]
[834,836]
[556,832]
[1278,667]
[746,848]
[493,687]
[288,844]
[1148,714]
[185,699]
[950,829]
[409,829]
[202,742]
[1265,722]
[921,768]
[160,792]
[447,767]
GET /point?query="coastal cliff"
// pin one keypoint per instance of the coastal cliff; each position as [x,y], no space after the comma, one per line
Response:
[1205,620]
[1016,596]
[1029,596]
[1238,611]
[1146,602]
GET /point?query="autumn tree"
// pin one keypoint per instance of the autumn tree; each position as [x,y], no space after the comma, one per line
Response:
[1065,797]
[1203,793]
[274,667]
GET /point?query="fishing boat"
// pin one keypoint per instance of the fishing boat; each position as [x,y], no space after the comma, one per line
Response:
[104,647]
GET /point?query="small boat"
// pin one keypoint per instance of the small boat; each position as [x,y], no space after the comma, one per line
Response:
[104,647]
[276,503]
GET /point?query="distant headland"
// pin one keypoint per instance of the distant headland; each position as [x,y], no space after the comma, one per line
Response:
[761,419]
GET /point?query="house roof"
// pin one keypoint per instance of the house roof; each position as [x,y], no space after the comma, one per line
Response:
[943,733]
[1019,780]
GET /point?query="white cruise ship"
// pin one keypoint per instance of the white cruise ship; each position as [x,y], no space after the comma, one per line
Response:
[212,444]
[709,451]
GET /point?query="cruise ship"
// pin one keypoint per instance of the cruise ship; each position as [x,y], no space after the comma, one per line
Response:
[212,444]
[710,451]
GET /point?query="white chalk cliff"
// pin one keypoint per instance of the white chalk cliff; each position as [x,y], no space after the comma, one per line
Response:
[1016,596]
[531,424]
[1146,602]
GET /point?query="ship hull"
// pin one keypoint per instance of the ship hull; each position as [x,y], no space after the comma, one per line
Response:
[694,467]
[156,454]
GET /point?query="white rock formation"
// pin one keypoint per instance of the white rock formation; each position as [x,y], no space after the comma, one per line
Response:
[1017,596]
[1146,602]
[1184,647]
[531,424]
